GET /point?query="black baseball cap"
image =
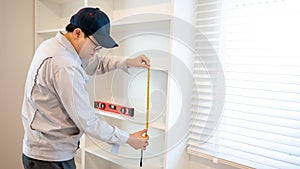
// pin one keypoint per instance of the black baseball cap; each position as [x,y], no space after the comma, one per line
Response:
[94,22]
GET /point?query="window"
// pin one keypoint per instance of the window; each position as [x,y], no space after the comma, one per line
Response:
[257,43]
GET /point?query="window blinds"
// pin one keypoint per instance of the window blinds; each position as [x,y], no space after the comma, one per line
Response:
[257,43]
[205,117]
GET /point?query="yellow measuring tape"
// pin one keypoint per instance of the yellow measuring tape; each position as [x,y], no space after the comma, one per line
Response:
[147,99]
[147,110]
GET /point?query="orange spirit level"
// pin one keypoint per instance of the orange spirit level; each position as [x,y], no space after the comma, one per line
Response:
[114,108]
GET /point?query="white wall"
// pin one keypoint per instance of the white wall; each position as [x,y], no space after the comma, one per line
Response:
[16,50]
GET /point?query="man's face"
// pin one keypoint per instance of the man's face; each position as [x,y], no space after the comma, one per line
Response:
[89,47]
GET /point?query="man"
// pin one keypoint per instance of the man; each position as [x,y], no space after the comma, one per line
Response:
[56,109]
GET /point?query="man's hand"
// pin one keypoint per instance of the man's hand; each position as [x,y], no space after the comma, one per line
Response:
[138,140]
[139,61]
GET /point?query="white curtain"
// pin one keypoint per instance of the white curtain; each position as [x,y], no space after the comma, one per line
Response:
[257,43]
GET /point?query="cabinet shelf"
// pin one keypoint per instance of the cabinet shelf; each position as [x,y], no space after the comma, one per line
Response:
[49,31]
[146,18]
[129,24]
[142,23]
[142,18]
[59,1]
[156,125]
[127,158]
[118,9]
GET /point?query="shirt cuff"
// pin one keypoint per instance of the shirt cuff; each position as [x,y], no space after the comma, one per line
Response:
[124,136]
[124,65]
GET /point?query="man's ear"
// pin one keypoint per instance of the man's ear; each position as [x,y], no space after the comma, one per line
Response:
[77,33]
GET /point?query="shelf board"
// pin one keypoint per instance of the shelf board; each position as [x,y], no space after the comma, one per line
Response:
[59,1]
[140,19]
[113,115]
[121,25]
[48,31]
[156,125]
[142,22]
[127,162]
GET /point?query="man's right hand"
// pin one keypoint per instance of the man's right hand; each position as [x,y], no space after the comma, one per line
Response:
[138,140]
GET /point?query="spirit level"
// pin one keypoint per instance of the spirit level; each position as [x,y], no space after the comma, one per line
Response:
[114,108]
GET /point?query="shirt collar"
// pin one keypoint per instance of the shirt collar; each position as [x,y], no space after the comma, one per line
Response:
[67,44]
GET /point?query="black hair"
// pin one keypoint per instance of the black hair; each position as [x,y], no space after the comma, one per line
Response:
[70,28]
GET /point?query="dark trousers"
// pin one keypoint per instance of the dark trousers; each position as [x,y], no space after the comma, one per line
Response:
[30,163]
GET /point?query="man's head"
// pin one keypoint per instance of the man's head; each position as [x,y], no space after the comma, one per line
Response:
[89,31]
[93,21]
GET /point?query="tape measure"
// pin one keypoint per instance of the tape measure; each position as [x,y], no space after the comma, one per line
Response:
[147,99]
[147,109]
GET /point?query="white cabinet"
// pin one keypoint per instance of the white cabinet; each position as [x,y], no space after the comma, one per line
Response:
[139,27]
[130,89]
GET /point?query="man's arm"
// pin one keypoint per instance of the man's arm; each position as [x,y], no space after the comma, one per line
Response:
[100,65]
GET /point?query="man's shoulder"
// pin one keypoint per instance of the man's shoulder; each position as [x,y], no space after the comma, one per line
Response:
[59,54]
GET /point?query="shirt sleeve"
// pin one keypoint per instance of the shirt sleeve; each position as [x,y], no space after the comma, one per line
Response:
[100,65]
[70,84]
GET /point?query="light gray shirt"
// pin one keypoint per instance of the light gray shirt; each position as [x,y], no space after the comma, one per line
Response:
[56,108]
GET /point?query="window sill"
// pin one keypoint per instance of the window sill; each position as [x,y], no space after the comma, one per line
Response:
[215,160]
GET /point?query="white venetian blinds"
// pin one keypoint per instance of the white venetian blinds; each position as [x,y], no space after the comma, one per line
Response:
[258,45]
